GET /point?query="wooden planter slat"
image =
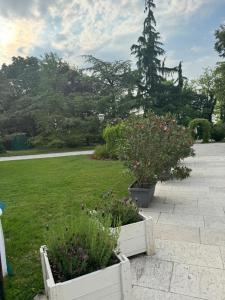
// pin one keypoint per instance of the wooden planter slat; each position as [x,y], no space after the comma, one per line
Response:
[112,283]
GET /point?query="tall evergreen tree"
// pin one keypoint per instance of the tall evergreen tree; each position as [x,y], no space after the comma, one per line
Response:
[148,52]
[220,41]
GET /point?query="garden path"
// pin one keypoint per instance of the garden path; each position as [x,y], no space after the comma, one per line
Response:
[48,155]
[189,219]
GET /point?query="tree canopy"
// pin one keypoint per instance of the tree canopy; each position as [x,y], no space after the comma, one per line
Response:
[56,104]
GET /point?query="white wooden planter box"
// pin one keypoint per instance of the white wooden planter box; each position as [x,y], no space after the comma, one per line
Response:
[137,237]
[111,283]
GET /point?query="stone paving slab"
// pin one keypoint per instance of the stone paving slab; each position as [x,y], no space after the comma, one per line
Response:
[222,251]
[177,233]
[212,236]
[152,273]
[215,222]
[205,210]
[189,253]
[151,294]
[181,219]
[161,207]
[200,282]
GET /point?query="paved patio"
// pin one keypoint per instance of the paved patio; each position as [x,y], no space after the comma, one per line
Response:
[189,220]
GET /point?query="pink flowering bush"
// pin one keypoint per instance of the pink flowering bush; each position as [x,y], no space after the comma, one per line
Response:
[152,148]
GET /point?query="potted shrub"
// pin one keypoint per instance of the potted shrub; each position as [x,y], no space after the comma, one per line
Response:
[80,263]
[152,148]
[136,234]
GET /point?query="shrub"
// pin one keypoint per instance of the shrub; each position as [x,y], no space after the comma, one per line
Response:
[39,141]
[122,211]
[218,132]
[2,148]
[101,152]
[112,135]
[56,143]
[152,148]
[82,246]
[202,125]
[74,140]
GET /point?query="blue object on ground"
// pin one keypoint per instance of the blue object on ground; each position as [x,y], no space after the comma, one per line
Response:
[2,206]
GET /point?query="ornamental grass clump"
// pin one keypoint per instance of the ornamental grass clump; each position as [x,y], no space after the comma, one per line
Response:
[81,246]
[152,147]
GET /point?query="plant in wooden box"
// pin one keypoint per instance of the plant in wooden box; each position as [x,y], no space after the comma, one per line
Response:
[152,148]
[136,230]
[79,262]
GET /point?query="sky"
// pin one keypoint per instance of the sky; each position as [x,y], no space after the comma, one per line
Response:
[108,28]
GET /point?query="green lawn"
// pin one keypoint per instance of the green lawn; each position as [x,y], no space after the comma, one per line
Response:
[40,193]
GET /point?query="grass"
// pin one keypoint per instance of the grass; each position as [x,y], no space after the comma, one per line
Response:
[39,193]
[43,151]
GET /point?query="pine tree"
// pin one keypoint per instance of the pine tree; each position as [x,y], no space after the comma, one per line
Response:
[148,52]
[220,41]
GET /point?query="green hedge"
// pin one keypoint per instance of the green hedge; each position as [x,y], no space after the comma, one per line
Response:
[2,148]
[205,127]
[218,132]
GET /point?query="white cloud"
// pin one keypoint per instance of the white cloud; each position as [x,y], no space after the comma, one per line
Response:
[18,36]
[105,28]
[197,49]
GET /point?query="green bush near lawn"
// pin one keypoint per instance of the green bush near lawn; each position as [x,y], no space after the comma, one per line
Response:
[111,135]
[101,152]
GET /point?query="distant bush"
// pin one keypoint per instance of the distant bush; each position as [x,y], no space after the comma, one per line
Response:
[203,127]
[218,132]
[73,140]
[56,143]
[111,135]
[2,148]
[38,141]
[101,152]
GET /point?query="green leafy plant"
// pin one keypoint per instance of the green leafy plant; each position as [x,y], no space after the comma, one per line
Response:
[152,148]
[112,135]
[203,128]
[82,246]
[218,132]
[101,152]
[122,211]
[56,143]
[2,148]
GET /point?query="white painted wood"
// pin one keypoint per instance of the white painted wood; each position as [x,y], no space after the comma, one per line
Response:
[149,235]
[126,278]
[2,249]
[137,237]
[112,283]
